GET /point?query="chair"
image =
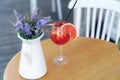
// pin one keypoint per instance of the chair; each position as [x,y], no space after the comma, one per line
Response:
[59,8]
[99,18]
[33,5]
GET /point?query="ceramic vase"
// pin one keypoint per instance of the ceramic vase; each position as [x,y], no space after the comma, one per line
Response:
[32,63]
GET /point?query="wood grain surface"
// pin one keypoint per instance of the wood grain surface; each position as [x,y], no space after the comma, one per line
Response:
[89,59]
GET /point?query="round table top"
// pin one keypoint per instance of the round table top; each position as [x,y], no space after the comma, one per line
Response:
[89,59]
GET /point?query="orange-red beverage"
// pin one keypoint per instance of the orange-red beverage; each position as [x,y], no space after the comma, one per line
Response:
[59,37]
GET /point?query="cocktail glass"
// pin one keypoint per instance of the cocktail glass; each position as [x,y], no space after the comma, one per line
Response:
[60,37]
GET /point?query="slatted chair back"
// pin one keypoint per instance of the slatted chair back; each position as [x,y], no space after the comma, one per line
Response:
[101,18]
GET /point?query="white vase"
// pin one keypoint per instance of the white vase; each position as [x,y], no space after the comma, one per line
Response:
[32,63]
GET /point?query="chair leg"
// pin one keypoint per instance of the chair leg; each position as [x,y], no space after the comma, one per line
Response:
[59,9]
[53,5]
[33,5]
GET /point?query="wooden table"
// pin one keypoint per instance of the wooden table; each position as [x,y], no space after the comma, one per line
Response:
[89,59]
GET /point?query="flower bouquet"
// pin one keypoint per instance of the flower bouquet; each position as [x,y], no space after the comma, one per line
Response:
[30,27]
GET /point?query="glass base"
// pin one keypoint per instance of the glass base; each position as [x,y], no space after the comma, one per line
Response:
[60,60]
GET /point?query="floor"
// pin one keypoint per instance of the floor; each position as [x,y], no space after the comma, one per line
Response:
[9,42]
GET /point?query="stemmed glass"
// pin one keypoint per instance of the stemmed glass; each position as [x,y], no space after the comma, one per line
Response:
[59,37]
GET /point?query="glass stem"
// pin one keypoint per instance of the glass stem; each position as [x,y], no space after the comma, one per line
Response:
[60,56]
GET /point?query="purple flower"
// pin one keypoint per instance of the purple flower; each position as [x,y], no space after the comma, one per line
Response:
[27,29]
[42,22]
[35,16]
[18,16]
[36,31]
[19,25]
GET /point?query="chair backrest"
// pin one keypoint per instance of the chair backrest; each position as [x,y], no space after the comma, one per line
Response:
[100,18]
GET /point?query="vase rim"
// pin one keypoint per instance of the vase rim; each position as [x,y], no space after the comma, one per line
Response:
[38,38]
